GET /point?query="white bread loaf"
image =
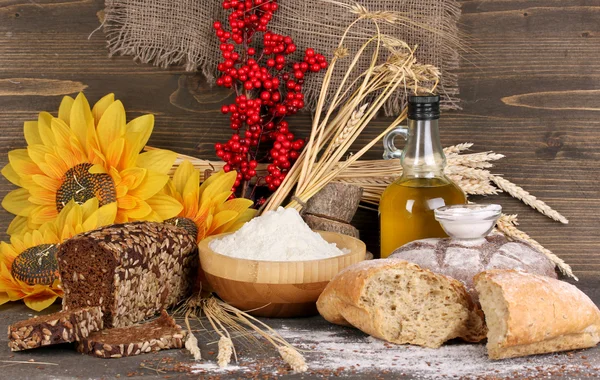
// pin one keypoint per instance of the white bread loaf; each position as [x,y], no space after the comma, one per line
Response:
[530,314]
[399,302]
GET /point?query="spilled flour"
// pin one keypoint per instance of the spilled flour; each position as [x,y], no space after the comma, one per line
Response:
[335,350]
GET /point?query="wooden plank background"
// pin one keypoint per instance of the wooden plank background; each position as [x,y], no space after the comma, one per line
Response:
[530,89]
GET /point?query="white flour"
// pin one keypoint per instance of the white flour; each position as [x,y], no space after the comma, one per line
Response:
[278,235]
[332,348]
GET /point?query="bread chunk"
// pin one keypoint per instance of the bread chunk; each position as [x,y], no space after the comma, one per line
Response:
[160,334]
[56,328]
[399,302]
[131,270]
[530,314]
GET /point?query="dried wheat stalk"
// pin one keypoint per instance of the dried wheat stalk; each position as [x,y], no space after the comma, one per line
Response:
[507,224]
[334,129]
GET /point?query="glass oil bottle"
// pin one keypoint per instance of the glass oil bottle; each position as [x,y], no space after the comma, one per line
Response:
[406,208]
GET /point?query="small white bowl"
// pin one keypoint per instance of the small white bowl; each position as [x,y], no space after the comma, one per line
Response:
[468,222]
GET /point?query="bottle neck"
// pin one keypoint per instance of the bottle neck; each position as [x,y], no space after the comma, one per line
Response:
[423,156]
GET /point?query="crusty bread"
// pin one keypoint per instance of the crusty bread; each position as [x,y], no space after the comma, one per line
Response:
[399,302]
[530,314]
[462,260]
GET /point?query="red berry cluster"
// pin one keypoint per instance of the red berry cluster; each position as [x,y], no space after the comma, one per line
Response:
[268,88]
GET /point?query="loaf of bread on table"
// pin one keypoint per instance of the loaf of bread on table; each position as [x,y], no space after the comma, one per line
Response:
[161,334]
[530,314]
[131,270]
[462,260]
[56,328]
[399,302]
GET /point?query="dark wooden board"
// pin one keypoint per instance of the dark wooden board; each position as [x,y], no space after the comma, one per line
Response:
[529,87]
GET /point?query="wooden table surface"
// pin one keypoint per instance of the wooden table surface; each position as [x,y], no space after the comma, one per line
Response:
[530,89]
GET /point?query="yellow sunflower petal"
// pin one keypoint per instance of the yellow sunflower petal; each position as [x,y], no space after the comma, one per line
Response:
[81,119]
[238,205]
[43,214]
[32,133]
[18,226]
[55,167]
[160,160]
[182,174]
[221,183]
[101,106]
[40,300]
[114,152]
[235,225]
[165,206]
[40,196]
[133,177]
[98,169]
[153,217]
[22,163]
[64,110]
[44,122]
[17,202]
[126,202]
[111,125]
[150,185]
[10,174]
[143,126]
[141,210]
[221,219]
[7,254]
[61,131]
[37,153]
[46,182]
[104,216]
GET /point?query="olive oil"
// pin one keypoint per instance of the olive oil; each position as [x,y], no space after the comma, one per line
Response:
[406,210]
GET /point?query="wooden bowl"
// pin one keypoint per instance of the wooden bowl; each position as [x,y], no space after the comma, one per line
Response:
[276,288]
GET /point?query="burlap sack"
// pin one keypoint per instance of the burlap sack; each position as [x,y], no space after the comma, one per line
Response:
[168,32]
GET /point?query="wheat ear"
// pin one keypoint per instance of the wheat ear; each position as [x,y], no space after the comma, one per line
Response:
[507,224]
[528,199]
[225,351]
[292,357]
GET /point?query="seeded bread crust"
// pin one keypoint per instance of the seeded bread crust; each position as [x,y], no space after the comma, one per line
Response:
[160,334]
[61,327]
[345,302]
[530,314]
[131,270]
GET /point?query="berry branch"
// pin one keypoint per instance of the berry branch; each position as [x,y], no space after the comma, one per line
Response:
[268,89]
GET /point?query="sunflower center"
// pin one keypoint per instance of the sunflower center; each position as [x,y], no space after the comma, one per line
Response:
[185,223]
[36,265]
[81,185]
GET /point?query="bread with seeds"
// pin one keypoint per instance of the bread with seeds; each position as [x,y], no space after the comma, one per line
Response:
[400,302]
[56,328]
[130,270]
[160,334]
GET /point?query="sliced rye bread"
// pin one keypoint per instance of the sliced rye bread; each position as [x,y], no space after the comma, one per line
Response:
[56,328]
[161,334]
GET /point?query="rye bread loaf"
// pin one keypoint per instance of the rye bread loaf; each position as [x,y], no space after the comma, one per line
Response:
[131,270]
[399,302]
[530,314]
[321,224]
[336,201]
[160,334]
[462,260]
[56,328]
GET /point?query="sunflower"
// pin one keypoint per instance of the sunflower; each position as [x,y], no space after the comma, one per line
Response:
[28,266]
[87,153]
[207,208]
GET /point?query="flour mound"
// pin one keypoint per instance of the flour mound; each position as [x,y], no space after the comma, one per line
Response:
[279,235]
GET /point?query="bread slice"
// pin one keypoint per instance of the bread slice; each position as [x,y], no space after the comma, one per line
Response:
[530,314]
[399,302]
[161,334]
[56,328]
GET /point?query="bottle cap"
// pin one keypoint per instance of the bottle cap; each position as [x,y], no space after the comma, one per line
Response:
[424,107]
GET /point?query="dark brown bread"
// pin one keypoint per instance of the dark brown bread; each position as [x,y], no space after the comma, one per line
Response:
[131,270]
[61,327]
[160,334]
[462,260]
[321,224]
[336,201]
